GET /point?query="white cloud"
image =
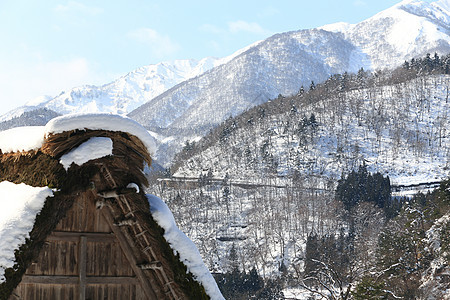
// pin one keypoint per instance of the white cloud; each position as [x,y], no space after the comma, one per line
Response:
[78,7]
[243,26]
[159,44]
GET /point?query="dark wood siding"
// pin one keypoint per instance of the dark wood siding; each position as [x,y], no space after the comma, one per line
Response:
[81,259]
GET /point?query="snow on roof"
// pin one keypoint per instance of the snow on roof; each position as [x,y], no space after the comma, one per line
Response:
[182,245]
[19,205]
[32,137]
[101,121]
[22,139]
[93,148]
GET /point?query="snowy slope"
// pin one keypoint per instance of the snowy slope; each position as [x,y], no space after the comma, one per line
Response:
[284,62]
[398,130]
[408,29]
[268,184]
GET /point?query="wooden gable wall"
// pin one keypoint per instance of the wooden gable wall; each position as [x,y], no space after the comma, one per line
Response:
[102,247]
[81,259]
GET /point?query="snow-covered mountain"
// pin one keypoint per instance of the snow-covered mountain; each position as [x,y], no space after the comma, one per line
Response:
[182,100]
[406,30]
[284,62]
[278,65]
[124,94]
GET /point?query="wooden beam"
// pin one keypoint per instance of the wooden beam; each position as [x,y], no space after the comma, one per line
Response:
[58,279]
[153,265]
[46,279]
[67,236]
[112,280]
[82,267]
[145,283]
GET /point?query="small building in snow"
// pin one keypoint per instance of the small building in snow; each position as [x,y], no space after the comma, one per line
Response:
[75,222]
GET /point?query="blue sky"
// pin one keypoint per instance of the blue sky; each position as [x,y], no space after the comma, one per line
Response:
[50,45]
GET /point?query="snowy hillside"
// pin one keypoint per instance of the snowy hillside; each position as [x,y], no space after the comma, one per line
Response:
[284,62]
[409,29]
[399,130]
[263,183]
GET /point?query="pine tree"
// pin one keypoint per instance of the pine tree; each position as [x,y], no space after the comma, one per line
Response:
[369,289]
[254,282]
[362,186]
[311,255]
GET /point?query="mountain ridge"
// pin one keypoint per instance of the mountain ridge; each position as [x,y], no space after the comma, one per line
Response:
[284,62]
[188,107]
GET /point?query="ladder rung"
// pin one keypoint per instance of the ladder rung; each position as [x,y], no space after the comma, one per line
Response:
[153,265]
[141,233]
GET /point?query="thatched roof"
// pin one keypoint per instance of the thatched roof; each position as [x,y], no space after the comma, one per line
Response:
[111,180]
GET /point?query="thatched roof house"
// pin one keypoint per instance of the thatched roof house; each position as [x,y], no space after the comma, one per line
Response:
[76,224]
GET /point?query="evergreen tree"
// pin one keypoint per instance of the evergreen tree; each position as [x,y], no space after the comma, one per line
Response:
[254,282]
[311,255]
[369,289]
[313,122]
[362,186]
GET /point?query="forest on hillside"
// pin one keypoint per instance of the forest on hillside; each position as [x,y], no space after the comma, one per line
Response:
[301,195]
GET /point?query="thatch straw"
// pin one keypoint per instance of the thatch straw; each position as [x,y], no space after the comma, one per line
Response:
[57,145]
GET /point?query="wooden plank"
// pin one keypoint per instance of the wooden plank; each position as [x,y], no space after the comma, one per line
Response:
[66,236]
[82,267]
[119,280]
[145,283]
[56,258]
[49,279]
[74,280]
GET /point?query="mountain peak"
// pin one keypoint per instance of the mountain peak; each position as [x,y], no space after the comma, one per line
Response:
[438,11]
[183,99]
